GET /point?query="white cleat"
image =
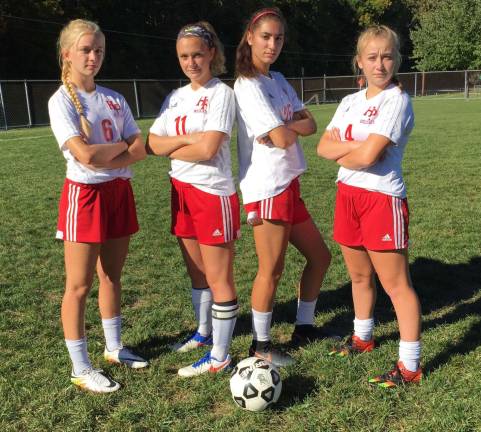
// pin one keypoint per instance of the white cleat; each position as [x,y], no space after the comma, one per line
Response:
[95,381]
[125,356]
[206,364]
[192,342]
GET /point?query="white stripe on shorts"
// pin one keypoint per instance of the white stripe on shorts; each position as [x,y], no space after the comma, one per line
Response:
[398,222]
[227,218]
[266,208]
[72,212]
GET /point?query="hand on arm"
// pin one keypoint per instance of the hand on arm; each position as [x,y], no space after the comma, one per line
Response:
[303,123]
[94,154]
[280,136]
[366,154]
[205,147]
[134,153]
[332,147]
[165,145]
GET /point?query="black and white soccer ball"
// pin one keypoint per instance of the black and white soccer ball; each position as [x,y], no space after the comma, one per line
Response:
[255,384]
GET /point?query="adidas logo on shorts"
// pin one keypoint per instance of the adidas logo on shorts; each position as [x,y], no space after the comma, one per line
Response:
[217,233]
[386,238]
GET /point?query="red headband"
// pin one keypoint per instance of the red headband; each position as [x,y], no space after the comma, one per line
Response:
[263,13]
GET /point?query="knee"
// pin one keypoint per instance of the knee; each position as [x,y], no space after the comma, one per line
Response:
[362,280]
[77,291]
[397,291]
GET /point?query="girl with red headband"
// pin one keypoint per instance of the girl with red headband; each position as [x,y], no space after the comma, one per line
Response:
[270,119]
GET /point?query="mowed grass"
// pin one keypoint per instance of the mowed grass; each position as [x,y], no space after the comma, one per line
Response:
[319,393]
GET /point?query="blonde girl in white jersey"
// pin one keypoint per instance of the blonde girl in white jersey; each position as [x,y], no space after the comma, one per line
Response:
[99,139]
[270,119]
[193,129]
[367,137]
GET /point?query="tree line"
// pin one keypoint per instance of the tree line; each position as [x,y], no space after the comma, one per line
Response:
[435,34]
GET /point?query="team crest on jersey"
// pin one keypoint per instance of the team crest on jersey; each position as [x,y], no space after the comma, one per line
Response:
[370,115]
[202,105]
[114,106]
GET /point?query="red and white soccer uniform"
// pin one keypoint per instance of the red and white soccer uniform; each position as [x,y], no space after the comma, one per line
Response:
[378,221]
[265,171]
[91,197]
[185,111]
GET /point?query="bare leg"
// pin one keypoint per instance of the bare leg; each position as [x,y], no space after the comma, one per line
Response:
[193,261]
[271,239]
[392,268]
[109,269]
[309,242]
[361,272]
[80,261]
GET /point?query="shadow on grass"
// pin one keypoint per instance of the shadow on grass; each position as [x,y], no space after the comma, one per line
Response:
[295,388]
[438,285]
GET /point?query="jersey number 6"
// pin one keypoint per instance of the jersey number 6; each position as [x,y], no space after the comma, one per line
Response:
[107,129]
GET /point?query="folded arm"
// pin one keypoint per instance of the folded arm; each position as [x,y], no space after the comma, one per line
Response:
[332,147]
[134,153]
[93,154]
[303,123]
[367,154]
[203,149]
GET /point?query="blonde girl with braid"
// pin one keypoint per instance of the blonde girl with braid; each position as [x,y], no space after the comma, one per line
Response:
[99,139]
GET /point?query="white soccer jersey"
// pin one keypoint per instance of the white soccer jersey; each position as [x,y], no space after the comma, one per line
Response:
[389,114]
[111,121]
[264,103]
[209,108]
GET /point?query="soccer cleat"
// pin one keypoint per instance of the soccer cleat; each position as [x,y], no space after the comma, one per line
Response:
[192,342]
[265,351]
[354,345]
[125,356]
[306,333]
[94,380]
[206,364]
[399,375]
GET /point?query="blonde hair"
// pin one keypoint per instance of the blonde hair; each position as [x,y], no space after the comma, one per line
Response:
[217,65]
[69,36]
[380,31]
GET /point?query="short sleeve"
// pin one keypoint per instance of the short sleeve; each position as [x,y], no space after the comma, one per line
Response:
[255,107]
[64,119]
[341,109]
[297,104]
[221,111]
[160,124]
[395,119]
[130,126]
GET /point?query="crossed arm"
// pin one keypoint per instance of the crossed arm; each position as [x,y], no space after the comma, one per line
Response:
[354,155]
[107,156]
[302,124]
[194,147]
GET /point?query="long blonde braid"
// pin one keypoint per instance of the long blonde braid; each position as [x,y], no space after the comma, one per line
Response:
[69,36]
[84,123]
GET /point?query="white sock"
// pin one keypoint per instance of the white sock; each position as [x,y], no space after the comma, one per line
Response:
[305,312]
[77,350]
[112,330]
[261,325]
[409,354]
[202,302]
[363,329]
[224,317]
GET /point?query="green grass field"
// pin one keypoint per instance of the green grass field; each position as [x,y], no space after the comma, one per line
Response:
[320,393]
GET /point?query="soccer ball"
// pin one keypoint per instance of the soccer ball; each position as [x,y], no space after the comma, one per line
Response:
[255,384]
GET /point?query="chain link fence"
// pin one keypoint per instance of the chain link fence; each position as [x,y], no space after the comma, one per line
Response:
[24,103]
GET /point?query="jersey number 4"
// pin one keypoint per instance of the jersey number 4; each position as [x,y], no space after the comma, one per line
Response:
[180,124]
[348,133]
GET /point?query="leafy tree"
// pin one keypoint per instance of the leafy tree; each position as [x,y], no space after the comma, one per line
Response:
[447,37]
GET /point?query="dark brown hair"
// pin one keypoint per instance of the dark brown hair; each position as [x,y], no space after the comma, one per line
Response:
[244,67]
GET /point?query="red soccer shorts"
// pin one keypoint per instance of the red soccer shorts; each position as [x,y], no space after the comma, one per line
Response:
[288,206]
[373,220]
[94,213]
[211,219]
